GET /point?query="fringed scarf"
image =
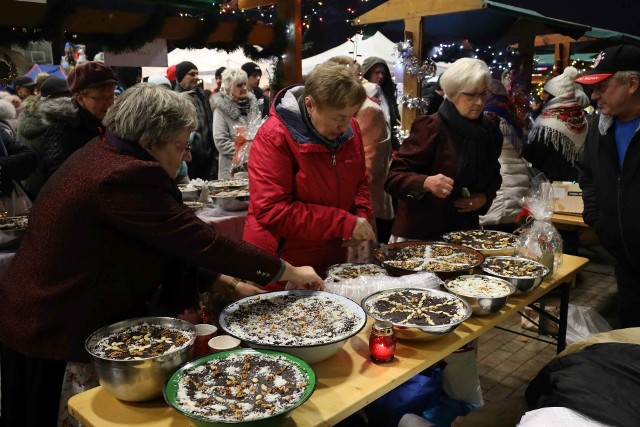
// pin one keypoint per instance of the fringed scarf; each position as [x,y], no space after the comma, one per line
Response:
[510,126]
[563,125]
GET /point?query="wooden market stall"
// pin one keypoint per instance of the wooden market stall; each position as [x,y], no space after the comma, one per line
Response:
[472,20]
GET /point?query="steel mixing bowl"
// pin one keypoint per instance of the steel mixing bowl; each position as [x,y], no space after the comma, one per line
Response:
[142,379]
[523,283]
[414,332]
[482,304]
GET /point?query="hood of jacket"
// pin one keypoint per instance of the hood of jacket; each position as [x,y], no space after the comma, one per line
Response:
[229,107]
[58,109]
[286,106]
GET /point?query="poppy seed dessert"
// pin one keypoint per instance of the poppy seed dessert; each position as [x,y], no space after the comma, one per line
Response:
[241,387]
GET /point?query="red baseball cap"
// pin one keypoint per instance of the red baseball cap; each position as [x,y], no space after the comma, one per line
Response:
[610,61]
[171,73]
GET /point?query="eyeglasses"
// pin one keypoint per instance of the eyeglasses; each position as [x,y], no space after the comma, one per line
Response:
[102,99]
[473,97]
[187,147]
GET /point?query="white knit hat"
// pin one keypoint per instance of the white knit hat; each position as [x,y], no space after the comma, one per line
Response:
[562,84]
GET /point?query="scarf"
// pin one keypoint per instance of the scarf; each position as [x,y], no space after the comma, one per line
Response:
[562,124]
[244,105]
[478,151]
[512,129]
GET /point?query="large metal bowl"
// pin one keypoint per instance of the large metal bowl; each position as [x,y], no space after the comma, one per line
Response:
[12,230]
[273,419]
[190,192]
[523,283]
[275,321]
[483,298]
[383,256]
[144,379]
[416,332]
[484,241]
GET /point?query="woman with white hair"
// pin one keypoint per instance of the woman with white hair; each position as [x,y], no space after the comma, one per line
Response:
[232,109]
[446,172]
[109,233]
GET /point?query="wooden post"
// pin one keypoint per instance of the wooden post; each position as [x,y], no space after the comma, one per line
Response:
[561,57]
[289,11]
[411,86]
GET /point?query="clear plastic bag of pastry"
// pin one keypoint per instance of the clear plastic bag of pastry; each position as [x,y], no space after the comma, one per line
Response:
[539,239]
[244,134]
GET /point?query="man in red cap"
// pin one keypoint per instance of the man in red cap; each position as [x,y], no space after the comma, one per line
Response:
[92,86]
[608,169]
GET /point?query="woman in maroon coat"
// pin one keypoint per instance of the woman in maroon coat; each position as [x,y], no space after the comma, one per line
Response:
[446,172]
[107,231]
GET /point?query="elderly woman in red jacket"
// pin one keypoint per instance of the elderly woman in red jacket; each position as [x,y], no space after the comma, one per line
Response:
[307,174]
[446,172]
[109,230]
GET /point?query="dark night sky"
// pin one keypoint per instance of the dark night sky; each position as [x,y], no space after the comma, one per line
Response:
[617,15]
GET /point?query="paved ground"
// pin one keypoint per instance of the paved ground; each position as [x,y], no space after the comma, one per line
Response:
[507,362]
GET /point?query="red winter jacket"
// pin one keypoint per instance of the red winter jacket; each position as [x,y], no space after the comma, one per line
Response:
[305,199]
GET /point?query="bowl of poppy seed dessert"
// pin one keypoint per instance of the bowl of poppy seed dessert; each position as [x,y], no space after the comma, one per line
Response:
[444,259]
[485,294]
[418,314]
[311,325]
[134,358]
[487,242]
[523,273]
[240,387]
[12,229]
[352,270]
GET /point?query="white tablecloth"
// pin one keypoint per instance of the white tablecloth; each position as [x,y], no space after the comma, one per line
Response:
[229,223]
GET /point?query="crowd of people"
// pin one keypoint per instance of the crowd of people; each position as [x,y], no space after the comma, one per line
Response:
[109,229]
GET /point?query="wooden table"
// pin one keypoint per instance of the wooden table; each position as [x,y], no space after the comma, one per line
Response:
[346,382]
[565,221]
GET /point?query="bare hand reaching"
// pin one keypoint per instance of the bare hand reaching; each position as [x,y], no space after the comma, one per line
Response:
[302,278]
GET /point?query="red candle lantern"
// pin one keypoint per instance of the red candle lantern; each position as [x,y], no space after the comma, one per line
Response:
[382,342]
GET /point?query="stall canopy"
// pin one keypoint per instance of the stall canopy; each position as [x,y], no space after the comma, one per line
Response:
[356,47]
[52,70]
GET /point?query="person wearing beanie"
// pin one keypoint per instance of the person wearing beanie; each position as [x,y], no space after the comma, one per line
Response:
[171,75]
[204,163]
[79,118]
[557,135]
[254,74]
[375,70]
[608,169]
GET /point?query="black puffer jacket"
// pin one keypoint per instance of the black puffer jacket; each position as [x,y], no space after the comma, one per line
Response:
[611,196]
[66,134]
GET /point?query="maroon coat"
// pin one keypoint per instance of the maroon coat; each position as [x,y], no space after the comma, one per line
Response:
[103,235]
[431,149]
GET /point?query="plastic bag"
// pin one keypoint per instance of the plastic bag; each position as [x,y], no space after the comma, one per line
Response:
[540,241]
[244,134]
[582,322]
[17,203]
[361,287]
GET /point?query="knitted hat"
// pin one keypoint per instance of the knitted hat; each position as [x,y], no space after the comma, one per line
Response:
[183,68]
[159,80]
[54,86]
[612,60]
[171,73]
[250,68]
[25,81]
[90,74]
[562,84]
